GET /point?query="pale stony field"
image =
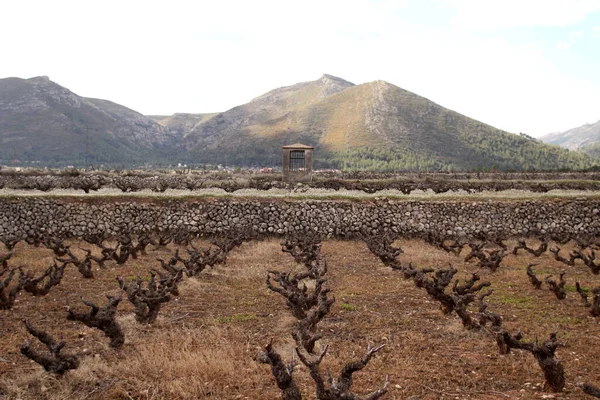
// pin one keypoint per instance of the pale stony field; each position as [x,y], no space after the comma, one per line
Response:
[310,193]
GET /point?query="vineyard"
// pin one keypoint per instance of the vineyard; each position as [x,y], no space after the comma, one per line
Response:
[243,316]
[168,290]
[369,183]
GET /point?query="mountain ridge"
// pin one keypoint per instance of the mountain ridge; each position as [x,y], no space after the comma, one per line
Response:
[42,120]
[374,125]
[575,138]
[387,126]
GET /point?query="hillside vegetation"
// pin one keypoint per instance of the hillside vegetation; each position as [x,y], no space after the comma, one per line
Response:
[372,126]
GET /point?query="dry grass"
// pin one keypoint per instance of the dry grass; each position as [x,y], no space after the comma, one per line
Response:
[204,343]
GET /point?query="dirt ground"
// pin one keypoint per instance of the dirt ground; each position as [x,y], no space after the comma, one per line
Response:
[206,341]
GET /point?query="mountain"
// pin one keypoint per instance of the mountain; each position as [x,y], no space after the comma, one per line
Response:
[585,138]
[41,120]
[253,133]
[374,125]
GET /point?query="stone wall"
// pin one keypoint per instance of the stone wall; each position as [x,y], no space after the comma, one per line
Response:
[20,217]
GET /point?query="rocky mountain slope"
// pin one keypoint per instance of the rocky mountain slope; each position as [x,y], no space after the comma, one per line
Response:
[41,120]
[584,138]
[375,126]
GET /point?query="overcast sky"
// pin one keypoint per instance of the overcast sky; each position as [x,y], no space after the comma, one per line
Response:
[529,66]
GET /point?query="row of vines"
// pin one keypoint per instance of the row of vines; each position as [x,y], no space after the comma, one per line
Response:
[230,184]
[306,293]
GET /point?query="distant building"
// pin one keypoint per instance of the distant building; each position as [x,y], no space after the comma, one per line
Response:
[297,163]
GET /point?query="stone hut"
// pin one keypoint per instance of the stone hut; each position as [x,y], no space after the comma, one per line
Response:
[297,163]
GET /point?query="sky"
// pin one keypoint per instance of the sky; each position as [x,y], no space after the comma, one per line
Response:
[530,66]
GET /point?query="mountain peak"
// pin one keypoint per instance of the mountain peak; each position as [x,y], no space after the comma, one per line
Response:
[40,118]
[380,83]
[330,78]
[375,125]
[40,79]
[331,85]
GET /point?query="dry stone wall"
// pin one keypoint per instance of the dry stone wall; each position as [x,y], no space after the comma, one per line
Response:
[20,217]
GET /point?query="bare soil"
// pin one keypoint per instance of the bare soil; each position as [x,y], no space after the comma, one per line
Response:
[205,342]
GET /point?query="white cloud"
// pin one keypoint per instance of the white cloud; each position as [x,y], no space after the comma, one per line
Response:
[212,55]
[563,46]
[515,88]
[188,52]
[573,36]
[596,28]
[492,14]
